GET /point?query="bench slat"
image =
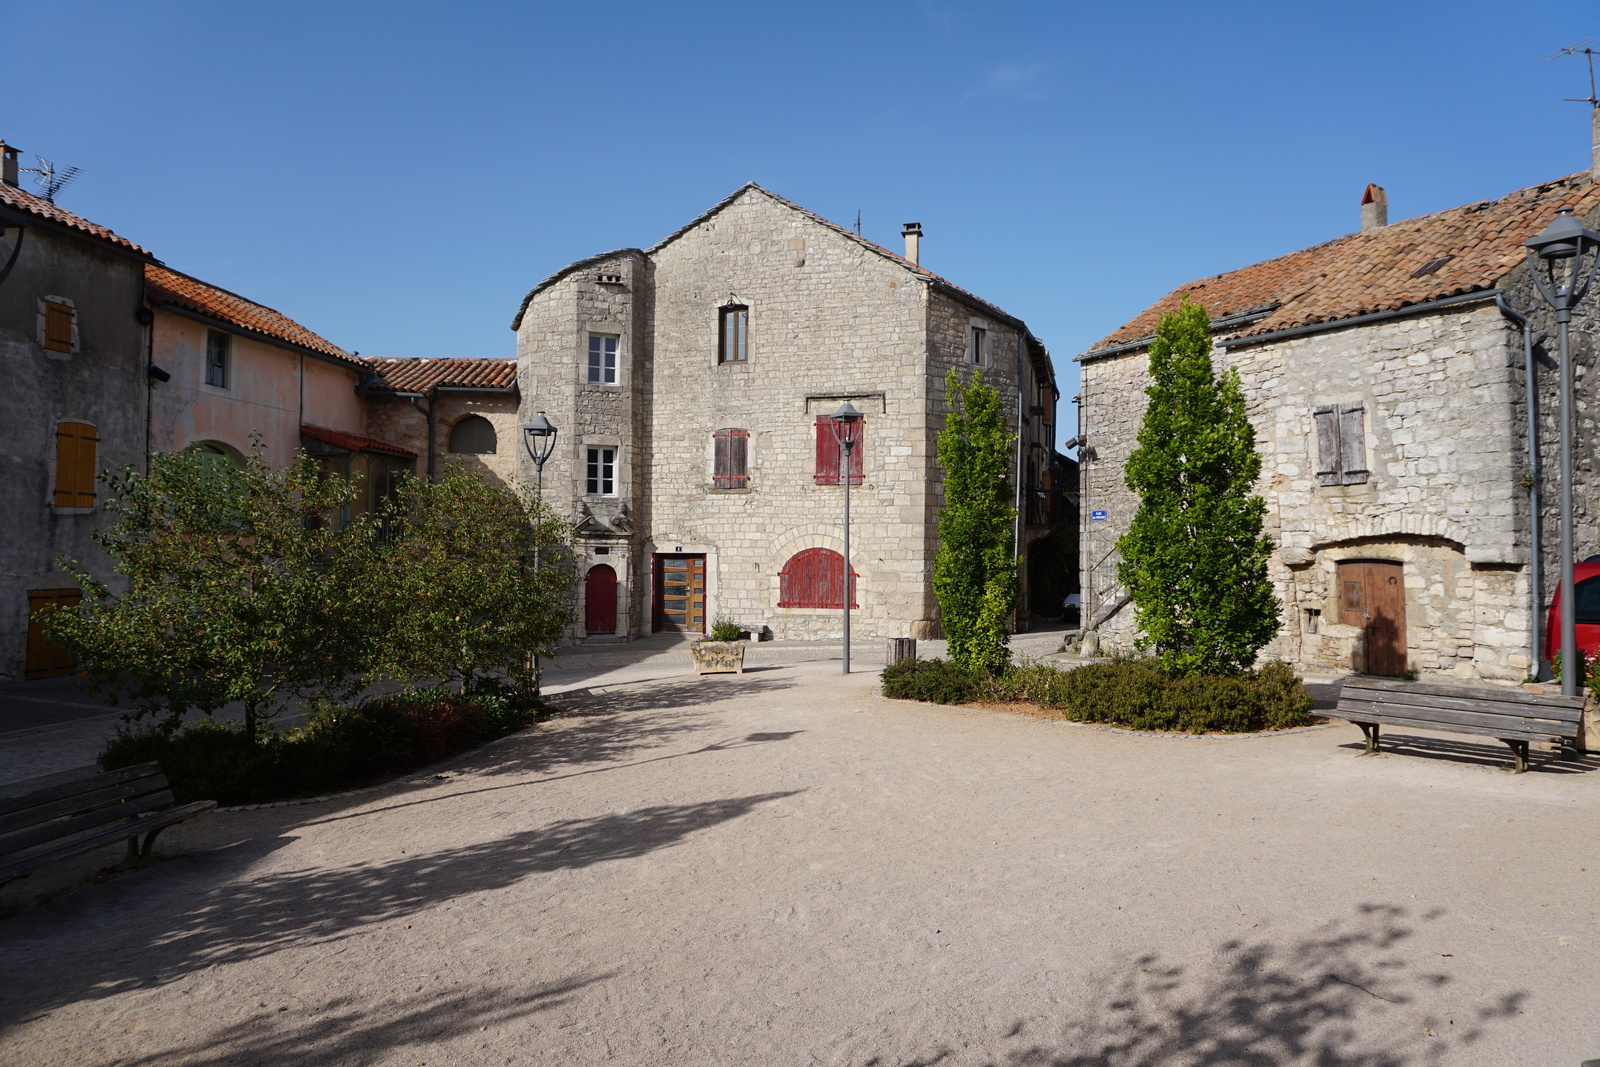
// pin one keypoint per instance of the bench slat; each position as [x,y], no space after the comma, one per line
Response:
[61,828]
[43,813]
[1424,712]
[1487,707]
[1458,728]
[1430,689]
[23,864]
[83,785]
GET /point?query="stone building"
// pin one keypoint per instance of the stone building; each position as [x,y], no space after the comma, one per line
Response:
[1386,389]
[692,385]
[447,410]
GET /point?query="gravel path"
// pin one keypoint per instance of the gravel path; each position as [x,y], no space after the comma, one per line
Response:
[784,868]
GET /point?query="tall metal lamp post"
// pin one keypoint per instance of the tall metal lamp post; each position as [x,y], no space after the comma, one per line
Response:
[539,438]
[847,431]
[1566,239]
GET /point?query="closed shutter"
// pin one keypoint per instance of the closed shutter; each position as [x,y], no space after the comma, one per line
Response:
[827,452]
[45,659]
[57,327]
[1328,471]
[815,578]
[75,465]
[731,449]
[1352,445]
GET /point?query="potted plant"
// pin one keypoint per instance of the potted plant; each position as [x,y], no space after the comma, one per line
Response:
[720,653]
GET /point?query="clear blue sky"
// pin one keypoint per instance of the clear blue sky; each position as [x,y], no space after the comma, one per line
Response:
[396,175]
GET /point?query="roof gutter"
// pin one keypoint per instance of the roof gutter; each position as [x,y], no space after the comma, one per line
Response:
[1362,320]
[265,338]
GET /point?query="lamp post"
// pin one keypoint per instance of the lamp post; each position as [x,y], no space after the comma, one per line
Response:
[847,431]
[539,438]
[1566,238]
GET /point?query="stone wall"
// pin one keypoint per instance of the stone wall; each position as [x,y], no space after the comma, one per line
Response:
[394,420]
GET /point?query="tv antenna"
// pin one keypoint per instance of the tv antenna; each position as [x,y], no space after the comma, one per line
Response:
[50,180]
[858,222]
[1580,49]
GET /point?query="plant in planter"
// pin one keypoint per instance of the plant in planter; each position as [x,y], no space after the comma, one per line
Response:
[720,653]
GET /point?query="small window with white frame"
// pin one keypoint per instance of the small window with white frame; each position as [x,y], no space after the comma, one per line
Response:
[602,472]
[219,358]
[976,344]
[602,359]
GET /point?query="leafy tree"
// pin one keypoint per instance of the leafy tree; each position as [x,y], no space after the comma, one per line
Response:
[239,587]
[475,578]
[975,570]
[1194,558]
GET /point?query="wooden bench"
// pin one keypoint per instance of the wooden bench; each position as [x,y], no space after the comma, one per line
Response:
[67,818]
[1510,715]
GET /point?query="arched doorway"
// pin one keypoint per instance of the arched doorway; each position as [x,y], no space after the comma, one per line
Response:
[600,600]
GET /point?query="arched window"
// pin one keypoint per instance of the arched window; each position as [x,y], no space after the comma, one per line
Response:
[814,579]
[473,435]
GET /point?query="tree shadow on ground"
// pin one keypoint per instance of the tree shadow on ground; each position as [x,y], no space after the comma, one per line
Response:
[121,948]
[1348,995]
[348,1031]
[1478,753]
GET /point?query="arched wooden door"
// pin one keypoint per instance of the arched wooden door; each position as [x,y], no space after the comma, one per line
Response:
[600,600]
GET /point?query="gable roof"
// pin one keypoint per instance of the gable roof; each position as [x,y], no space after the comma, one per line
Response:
[39,207]
[181,292]
[351,442]
[398,375]
[1378,270]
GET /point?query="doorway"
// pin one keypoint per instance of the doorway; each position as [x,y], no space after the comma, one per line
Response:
[680,594]
[600,600]
[1372,595]
[45,659]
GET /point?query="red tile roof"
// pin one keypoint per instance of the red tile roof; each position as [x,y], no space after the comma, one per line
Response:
[13,197]
[1362,273]
[354,442]
[163,285]
[424,375]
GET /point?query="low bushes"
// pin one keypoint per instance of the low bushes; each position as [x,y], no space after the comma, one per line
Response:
[336,747]
[1134,693]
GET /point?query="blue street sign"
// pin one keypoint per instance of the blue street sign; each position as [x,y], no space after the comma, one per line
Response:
[1097,516]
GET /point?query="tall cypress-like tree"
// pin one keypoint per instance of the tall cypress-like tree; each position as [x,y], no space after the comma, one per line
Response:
[975,570]
[1194,558]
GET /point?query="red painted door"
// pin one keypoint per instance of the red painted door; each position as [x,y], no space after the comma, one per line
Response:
[600,600]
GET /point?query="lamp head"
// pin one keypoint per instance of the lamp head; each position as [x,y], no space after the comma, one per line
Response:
[1564,238]
[539,438]
[847,424]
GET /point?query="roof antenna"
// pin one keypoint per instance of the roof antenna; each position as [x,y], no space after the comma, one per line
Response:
[858,222]
[1580,49]
[49,181]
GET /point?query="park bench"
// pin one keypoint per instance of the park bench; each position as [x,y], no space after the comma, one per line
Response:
[1512,716]
[86,812]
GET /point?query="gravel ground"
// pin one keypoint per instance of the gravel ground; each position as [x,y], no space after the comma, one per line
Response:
[784,868]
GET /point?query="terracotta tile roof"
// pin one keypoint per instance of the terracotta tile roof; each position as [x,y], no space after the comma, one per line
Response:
[422,375]
[163,285]
[355,442]
[1380,270]
[20,200]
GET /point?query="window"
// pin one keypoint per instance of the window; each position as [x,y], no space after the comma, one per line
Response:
[733,345]
[219,349]
[602,480]
[602,359]
[830,453]
[731,455]
[59,320]
[975,353]
[814,579]
[75,465]
[1341,445]
[473,436]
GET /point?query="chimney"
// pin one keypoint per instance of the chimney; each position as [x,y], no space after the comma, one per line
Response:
[1374,208]
[1594,150]
[8,164]
[912,232]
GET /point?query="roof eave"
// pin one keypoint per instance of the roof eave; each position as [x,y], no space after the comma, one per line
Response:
[351,363]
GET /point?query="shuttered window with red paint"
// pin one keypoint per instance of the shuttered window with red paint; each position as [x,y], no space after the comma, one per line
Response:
[814,579]
[830,453]
[731,458]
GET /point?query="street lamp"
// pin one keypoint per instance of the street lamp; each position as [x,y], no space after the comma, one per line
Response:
[1566,238]
[847,431]
[539,438]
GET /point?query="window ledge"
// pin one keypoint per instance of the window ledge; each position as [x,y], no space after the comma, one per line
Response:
[72,511]
[728,490]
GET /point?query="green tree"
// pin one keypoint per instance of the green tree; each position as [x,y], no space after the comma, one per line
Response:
[236,586]
[1194,558]
[475,578]
[975,570]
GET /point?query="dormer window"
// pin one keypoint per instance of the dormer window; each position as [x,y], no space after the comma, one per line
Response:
[733,345]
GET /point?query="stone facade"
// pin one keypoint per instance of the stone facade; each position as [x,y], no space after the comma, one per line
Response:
[397,421]
[830,318]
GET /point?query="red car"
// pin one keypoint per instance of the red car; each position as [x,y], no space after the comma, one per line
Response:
[1586,581]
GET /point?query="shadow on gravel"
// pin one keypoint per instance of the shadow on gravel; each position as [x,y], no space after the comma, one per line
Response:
[1477,753]
[144,942]
[349,1031]
[1345,996]
[658,696]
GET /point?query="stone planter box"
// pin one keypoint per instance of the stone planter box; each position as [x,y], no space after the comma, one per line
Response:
[718,657]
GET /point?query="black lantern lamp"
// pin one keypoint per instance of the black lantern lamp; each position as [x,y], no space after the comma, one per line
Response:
[847,431]
[539,438]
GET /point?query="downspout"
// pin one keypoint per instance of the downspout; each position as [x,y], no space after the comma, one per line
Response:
[1022,428]
[427,414]
[1535,518]
[147,319]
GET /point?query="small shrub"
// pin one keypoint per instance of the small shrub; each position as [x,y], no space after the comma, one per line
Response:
[725,630]
[932,680]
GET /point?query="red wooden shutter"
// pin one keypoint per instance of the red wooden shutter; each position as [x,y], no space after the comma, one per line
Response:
[858,453]
[814,579]
[1352,445]
[721,466]
[738,458]
[827,452]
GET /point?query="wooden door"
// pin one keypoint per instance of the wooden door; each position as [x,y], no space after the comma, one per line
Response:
[1372,595]
[681,594]
[600,600]
[46,660]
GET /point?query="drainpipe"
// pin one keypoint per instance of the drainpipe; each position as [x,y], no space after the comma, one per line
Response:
[1535,520]
[427,414]
[1022,433]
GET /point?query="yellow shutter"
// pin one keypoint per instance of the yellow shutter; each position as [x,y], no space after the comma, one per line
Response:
[57,327]
[75,465]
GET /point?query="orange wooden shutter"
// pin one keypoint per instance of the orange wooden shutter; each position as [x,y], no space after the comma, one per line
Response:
[57,327]
[75,465]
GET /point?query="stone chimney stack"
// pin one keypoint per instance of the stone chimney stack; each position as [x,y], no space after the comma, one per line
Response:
[8,164]
[912,232]
[1594,149]
[1374,208]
